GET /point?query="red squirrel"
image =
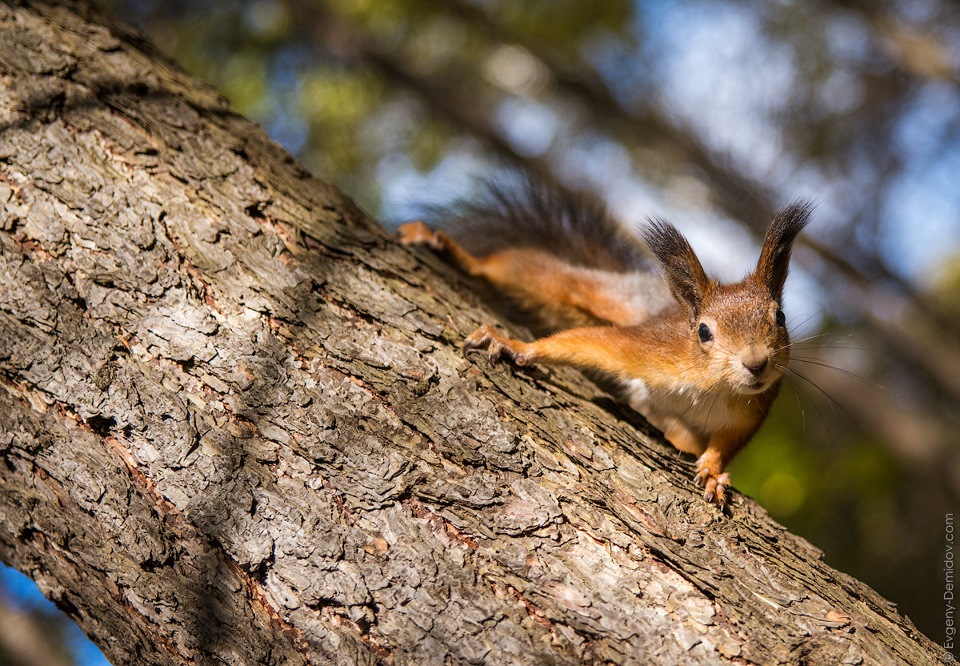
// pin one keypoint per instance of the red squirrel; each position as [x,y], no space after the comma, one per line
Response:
[700,359]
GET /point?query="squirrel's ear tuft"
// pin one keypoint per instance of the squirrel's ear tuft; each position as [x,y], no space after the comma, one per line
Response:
[775,256]
[681,267]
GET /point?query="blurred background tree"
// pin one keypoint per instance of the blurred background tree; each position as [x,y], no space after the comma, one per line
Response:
[709,114]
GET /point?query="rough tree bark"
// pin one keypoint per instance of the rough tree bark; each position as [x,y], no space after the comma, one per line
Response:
[235,425]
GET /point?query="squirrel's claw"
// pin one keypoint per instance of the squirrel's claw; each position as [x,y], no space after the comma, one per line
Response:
[418,233]
[483,338]
[497,347]
[714,486]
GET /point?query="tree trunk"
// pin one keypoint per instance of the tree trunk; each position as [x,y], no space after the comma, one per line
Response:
[235,424]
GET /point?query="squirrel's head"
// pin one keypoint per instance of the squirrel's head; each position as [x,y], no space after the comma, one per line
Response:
[738,332]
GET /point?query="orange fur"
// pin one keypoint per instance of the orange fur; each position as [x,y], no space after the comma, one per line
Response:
[561,294]
[705,370]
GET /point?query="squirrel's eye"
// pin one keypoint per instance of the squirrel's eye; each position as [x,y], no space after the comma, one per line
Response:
[704,333]
[781,318]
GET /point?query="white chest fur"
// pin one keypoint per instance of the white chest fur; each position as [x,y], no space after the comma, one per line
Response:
[701,412]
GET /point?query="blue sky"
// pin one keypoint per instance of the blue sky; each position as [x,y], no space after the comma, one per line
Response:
[21,593]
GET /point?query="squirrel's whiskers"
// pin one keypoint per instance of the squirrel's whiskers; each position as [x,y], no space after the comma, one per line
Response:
[700,359]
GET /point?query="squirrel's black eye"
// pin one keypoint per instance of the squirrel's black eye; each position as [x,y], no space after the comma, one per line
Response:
[781,318]
[704,333]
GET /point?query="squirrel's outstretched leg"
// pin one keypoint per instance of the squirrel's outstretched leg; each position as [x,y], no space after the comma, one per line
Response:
[418,233]
[588,348]
[563,294]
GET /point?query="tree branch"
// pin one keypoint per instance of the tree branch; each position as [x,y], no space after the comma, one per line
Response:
[236,426]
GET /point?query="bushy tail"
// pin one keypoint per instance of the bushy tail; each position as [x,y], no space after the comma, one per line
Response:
[518,212]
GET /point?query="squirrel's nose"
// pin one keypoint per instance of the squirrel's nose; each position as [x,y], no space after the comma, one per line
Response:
[755,364]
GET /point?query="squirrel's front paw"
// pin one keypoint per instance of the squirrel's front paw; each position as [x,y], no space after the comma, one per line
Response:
[714,485]
[497,346]
[484,338]
[418,233]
